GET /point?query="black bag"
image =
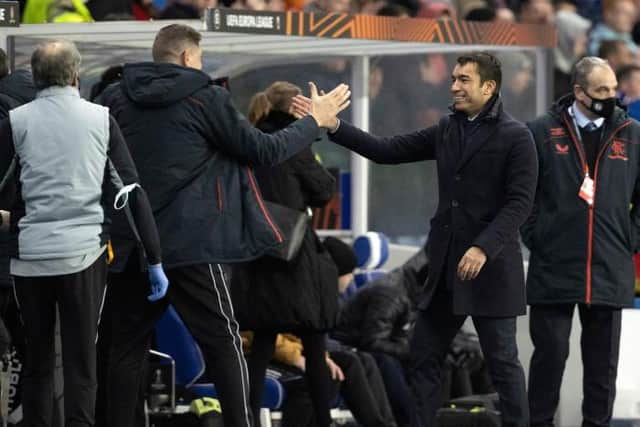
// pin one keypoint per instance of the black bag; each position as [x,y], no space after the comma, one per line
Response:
[461,417]
[293,225]
[470,411]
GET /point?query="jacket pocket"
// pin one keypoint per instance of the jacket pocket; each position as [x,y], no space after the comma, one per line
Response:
[219,195]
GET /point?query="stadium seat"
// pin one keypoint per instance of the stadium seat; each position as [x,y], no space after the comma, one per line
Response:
[372,251]
[173,338]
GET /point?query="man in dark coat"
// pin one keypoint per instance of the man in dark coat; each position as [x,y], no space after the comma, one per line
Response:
[487,172]
[582,235]
[194,151]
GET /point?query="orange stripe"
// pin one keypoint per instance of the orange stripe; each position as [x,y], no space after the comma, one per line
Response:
[289,17]
[330,26]
[312,23]
[262,207]
[591,210]
[300,23]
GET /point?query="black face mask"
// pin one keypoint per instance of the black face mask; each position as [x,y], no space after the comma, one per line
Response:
[601,107]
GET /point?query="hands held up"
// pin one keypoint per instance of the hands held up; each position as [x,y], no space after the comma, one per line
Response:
[323,107]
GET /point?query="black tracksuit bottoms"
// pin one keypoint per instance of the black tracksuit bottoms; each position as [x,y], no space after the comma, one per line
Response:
[79,297]
[200,295]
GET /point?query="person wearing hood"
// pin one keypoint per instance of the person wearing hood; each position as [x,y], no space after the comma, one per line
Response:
[476,266]
[572,45]
[582,234]
[15,89]
[63,164]
[195,153]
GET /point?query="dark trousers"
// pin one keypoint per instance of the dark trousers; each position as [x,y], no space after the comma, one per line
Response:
[434,331]
[550,328]
[316,372]
[398,390]
[363,389]
[200,295]
[79,297]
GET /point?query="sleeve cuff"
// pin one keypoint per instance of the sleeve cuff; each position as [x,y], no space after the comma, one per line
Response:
[334,130]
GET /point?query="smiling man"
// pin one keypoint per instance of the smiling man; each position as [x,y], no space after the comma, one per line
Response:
[487,172]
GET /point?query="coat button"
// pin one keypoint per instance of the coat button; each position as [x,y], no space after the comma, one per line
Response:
[454,203]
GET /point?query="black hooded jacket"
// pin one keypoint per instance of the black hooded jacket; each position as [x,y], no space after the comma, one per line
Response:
[583,254]
[15,89]
[195,152]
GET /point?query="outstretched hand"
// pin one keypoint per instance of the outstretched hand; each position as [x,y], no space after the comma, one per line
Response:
[323,107]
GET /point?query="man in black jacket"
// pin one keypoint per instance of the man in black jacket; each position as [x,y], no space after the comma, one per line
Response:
[194,152]
[487,172]
[582,235]
[15,89]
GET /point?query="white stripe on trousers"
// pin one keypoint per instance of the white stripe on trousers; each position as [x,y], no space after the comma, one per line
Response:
[243,365]
[104,298]
[235,338]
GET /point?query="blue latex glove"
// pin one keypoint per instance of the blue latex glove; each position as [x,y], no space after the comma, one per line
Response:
[159,282]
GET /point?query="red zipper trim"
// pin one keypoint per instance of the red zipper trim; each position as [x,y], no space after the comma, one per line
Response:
[219,191]
[262,207]
[585,168]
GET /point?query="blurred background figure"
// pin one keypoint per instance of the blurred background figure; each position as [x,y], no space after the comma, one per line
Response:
[629,88]
[518,84]
[619,17]
[616,52]
[572,45]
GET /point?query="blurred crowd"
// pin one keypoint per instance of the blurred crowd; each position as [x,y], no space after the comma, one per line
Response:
[606,28]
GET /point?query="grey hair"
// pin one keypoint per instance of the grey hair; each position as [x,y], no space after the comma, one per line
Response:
[55,63]
[584,67]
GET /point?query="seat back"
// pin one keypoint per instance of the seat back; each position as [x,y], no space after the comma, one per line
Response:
[372,251]
[174,339]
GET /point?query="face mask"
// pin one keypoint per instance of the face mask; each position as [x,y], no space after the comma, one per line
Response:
[601,107]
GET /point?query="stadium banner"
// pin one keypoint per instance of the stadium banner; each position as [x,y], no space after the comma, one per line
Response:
[335,25]
[9,14]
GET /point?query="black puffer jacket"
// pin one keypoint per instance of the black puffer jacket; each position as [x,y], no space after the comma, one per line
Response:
[15,89]
[582,254]
[301,295]
[379,316]
[194,152]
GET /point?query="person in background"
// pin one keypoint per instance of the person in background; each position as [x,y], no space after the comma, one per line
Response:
[629,89]
[15,89]
[616,52]
[59,228]
[619,17]
[272,296]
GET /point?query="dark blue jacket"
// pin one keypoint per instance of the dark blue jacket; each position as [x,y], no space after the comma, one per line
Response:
[485,195]
[194,153]
[583,254]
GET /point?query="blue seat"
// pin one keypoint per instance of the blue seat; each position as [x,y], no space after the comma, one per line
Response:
[372,251]
[174,339]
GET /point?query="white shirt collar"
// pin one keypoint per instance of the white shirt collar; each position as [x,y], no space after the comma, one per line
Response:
[581,119]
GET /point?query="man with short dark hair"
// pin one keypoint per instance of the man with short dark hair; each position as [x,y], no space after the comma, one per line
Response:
[195,152]
[616,53]
[487,173]
[582,234]
[67,159]
[629,88]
